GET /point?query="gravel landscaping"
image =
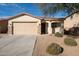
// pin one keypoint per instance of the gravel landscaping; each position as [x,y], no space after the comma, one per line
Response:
[45,40]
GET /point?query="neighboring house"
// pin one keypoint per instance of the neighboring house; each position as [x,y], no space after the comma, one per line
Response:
[71,24]
[71,21]
[26,24]
[3,26]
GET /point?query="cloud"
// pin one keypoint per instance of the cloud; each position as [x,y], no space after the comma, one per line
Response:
[4,16]
[12,4]
[21,8]
[14,8]
[3,4]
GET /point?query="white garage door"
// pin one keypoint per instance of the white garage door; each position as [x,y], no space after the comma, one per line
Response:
[25,28]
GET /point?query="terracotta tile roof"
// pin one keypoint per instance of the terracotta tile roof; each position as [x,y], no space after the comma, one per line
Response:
[51,19]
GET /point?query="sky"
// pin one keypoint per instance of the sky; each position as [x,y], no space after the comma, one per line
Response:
[9,9]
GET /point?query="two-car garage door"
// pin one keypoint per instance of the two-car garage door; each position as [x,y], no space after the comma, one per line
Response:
[25,28]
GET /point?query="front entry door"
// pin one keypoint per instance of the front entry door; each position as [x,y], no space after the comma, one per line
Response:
[43,28]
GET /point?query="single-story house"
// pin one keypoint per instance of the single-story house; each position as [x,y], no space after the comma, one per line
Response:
[26,24]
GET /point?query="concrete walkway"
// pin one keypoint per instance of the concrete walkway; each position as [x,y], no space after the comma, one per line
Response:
[12,45]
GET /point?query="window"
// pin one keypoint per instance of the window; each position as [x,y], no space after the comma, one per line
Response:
[56,24]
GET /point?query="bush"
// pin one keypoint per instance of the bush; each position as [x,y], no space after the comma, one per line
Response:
[58,34]
[70,41]
[54,49]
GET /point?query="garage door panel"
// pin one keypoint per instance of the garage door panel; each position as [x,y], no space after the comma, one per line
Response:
[25,28]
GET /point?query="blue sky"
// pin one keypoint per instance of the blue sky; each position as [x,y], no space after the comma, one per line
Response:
[14,9]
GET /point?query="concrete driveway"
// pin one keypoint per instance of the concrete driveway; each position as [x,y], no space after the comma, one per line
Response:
[14,45]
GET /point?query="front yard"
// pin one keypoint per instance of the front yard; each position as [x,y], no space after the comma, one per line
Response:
[44,41]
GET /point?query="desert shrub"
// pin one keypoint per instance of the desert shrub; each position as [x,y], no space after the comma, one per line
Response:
[70,41]
[58,34]
[54,49]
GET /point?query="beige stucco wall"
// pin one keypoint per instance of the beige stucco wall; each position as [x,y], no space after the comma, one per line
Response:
[71,22]
[57,29]
[24,18]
